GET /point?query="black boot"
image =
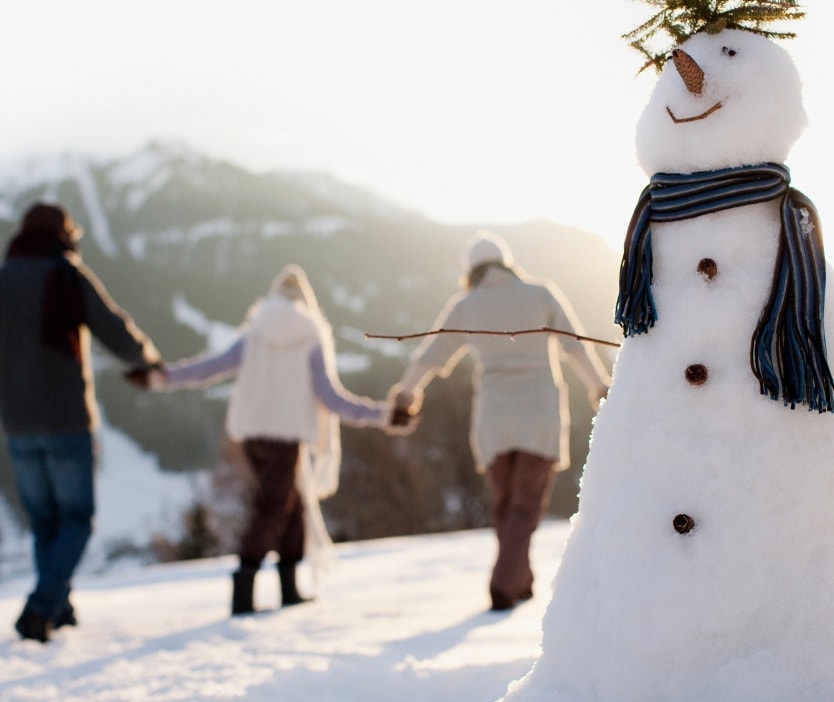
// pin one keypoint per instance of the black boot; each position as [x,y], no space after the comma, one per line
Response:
[33,625]
[243,585]
[65,617]
[289,591]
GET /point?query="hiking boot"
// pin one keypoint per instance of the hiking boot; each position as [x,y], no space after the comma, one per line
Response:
[501,601]
[243,585]
[32,625]
[289,590]
[66,617]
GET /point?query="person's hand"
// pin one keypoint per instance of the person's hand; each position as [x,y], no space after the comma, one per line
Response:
[157,379]
[405,408]
[402,399]
[147,377]
[400,417]
[137,377]
[401,421]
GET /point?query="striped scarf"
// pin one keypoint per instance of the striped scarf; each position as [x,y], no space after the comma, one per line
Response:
[787,352]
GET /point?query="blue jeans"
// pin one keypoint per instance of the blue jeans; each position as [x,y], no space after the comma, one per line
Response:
[54,474]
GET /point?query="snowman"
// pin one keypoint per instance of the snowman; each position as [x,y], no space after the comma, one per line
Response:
[700,564]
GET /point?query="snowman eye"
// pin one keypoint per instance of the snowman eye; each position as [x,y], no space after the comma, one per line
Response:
[727,51]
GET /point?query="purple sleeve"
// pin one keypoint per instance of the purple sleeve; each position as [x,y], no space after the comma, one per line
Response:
[206,370]
[351,408]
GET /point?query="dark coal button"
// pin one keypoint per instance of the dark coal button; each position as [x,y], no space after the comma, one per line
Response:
[683,523]
[696,374]
[708,268]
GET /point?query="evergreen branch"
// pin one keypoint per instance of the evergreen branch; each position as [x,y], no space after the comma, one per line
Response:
[680,19]
[511,334]
[647,27]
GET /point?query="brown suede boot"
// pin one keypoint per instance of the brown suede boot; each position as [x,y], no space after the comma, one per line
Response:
[500,600]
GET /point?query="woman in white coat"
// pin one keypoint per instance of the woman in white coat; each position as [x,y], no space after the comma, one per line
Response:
[285,409]
[520,419]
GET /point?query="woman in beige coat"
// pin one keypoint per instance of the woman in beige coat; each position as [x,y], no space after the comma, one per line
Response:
[520,419]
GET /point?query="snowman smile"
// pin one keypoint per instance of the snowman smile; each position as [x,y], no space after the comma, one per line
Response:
[703,115]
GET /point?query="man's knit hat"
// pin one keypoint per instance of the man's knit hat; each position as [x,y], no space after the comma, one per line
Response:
[485,247]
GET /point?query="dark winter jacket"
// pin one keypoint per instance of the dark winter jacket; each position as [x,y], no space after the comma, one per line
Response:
[44,390]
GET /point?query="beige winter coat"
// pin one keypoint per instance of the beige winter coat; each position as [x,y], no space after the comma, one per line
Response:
[520,400]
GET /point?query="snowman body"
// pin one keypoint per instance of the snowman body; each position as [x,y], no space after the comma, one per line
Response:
[736,604]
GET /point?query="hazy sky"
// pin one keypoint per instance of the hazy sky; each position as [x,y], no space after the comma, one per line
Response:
[466,110]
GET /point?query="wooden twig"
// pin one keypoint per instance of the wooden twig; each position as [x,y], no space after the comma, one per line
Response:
[511,334]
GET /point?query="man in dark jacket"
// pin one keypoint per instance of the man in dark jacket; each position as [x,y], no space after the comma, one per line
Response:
[50,303]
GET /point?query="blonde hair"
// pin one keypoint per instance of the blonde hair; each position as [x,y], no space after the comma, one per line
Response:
[293,284]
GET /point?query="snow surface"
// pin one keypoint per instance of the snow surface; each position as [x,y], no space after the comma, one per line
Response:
[149,169]
[218,335]
[324,227]
[399,619]
[94,207]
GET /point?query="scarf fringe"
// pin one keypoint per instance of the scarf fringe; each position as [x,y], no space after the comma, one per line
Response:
[636,312]
[788,349]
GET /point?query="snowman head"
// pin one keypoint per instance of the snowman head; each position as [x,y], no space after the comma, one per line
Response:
[732,98]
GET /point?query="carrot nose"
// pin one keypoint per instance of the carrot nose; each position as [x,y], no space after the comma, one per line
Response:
[689,71]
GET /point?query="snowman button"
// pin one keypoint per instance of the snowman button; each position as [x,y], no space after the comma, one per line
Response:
[696,374]
[708,268]
[683,523]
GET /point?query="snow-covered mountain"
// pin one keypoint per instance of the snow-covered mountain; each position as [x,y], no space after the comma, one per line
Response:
[185,243]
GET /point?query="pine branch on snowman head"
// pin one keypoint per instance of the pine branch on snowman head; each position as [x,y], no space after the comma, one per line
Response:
[678,20]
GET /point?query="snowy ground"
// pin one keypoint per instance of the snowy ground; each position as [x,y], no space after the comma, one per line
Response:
[399,619]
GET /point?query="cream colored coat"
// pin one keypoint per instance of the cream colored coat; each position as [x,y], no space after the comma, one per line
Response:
[520,399]
[272,396]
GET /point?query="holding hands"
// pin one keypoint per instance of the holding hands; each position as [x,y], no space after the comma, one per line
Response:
[401,419]
[405,409]
[148,378]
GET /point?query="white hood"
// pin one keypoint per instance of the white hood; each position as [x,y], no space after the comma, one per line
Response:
[284,323]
